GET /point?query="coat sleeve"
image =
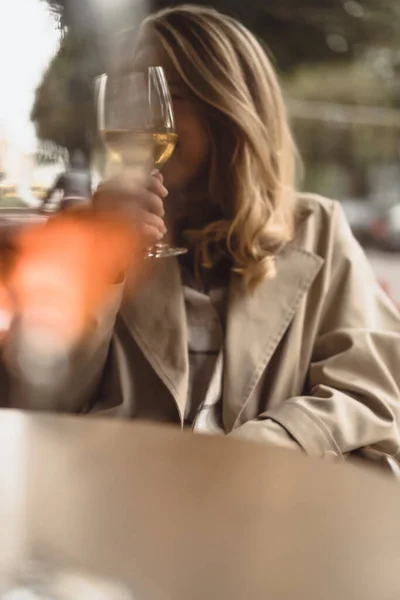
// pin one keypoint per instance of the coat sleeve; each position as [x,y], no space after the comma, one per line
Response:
[353,388]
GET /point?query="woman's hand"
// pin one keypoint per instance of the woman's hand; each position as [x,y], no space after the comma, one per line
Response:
[141,206]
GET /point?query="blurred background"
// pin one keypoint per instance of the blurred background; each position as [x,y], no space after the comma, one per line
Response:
[339,62]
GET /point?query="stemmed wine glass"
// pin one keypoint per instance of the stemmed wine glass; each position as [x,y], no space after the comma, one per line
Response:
[136,123]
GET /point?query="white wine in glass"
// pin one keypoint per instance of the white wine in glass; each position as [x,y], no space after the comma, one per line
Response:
[130,148]
[136,122]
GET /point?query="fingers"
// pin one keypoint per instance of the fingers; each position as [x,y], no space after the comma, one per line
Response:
[148,226]
[151,235]
[151,202]
[129,203]
[124,190]
[157,174]
[141,206]
[156,185]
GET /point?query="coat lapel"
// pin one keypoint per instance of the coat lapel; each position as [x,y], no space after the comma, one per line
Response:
[155,316]
[257,322]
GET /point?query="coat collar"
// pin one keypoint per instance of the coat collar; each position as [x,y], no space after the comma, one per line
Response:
[257,322]
[155,316]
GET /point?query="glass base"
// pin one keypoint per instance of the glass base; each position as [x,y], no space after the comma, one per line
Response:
[164,251]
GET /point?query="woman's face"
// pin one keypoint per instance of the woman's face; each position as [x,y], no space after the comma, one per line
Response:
[190,158]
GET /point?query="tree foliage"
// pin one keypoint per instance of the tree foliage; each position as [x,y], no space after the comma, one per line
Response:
[321,31]
[313,31]
[316,31]
[63,111]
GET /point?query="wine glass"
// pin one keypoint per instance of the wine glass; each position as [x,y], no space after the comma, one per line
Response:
[136,123]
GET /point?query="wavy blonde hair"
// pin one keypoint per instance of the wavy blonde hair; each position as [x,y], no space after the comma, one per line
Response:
[252,167]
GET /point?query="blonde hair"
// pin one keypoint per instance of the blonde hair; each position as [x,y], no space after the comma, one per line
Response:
[252,167]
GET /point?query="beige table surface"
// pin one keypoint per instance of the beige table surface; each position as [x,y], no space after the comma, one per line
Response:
[199,517]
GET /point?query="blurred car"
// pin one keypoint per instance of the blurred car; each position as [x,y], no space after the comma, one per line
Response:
[361,215]
[385,229]
[373,225]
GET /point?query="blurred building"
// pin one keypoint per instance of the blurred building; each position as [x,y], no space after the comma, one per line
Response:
[20,173]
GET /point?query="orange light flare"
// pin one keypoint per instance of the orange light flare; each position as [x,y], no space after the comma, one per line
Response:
[6,312]
[62,271]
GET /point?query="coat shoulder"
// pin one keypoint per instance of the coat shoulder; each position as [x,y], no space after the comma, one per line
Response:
[313,205]
[320,218]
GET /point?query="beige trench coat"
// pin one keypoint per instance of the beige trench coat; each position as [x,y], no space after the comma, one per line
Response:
[316,350]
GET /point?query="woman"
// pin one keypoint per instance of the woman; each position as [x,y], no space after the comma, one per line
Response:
[272,327]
